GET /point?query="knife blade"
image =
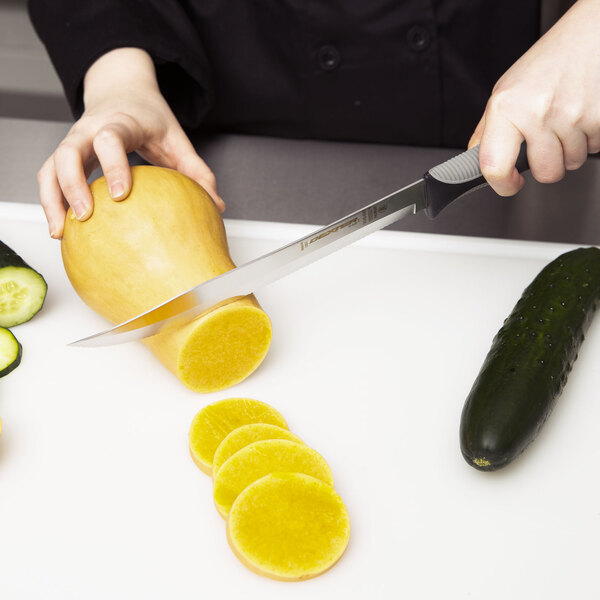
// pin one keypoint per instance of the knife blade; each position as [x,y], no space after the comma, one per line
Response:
[438,188]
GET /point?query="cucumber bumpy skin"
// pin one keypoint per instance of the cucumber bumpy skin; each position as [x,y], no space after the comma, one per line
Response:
[529,361]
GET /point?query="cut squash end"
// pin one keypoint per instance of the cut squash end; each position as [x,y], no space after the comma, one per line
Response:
[288,526]
[225,347]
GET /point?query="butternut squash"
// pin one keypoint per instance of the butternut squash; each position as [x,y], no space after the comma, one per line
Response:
[165,238]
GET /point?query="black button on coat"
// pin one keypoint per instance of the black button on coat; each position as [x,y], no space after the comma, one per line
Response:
[404,72]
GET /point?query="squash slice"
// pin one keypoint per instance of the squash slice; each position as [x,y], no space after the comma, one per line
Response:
[214,422]
[288,526]
[245,435]
[261,458]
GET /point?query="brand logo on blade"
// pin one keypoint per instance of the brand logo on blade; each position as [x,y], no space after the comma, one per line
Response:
[349,223]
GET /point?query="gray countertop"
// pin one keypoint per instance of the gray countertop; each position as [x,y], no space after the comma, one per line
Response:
[306,181]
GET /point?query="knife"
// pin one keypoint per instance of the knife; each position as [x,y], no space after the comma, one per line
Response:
[440,186]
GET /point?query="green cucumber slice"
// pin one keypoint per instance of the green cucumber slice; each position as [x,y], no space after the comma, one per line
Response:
[22,289]
[10,352]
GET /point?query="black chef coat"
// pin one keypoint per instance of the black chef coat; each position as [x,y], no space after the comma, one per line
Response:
[405,72]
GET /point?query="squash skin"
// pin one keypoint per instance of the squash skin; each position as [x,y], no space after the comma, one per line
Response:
[165,238]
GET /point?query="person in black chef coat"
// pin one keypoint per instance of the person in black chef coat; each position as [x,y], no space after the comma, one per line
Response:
[140,75]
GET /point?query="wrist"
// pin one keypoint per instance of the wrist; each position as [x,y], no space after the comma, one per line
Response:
[119,71]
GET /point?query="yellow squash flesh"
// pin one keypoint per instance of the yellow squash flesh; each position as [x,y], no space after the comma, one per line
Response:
[244,436]
[165,238]
[262,458]
[288,526]
[215,422]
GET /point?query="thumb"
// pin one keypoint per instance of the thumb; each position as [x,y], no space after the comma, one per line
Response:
[476,135]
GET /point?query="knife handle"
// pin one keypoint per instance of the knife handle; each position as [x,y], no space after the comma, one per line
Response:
[457,177]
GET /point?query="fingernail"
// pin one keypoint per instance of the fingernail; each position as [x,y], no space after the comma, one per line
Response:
[117,189]
[81,210]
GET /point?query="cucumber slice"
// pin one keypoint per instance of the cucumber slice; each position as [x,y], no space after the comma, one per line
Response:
[22,289]
[10,352]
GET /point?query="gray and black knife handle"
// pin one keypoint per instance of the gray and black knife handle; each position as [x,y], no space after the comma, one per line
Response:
[457,177]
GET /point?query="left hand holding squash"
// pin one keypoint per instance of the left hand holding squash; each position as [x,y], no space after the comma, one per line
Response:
[124,112]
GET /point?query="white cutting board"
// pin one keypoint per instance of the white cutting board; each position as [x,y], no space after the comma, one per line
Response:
[375,349]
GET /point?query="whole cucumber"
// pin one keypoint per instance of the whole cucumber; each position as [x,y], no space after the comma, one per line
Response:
[529,361]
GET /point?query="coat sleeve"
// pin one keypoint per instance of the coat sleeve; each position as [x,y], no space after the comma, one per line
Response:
[77,33]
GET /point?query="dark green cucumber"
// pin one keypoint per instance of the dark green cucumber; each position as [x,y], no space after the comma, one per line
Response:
[529,361]
[22,289]
[10,352]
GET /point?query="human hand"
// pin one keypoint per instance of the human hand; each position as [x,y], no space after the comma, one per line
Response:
[549,98]
[124,112]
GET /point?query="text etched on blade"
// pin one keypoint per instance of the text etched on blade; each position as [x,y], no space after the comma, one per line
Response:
[368,215]
[349,223]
